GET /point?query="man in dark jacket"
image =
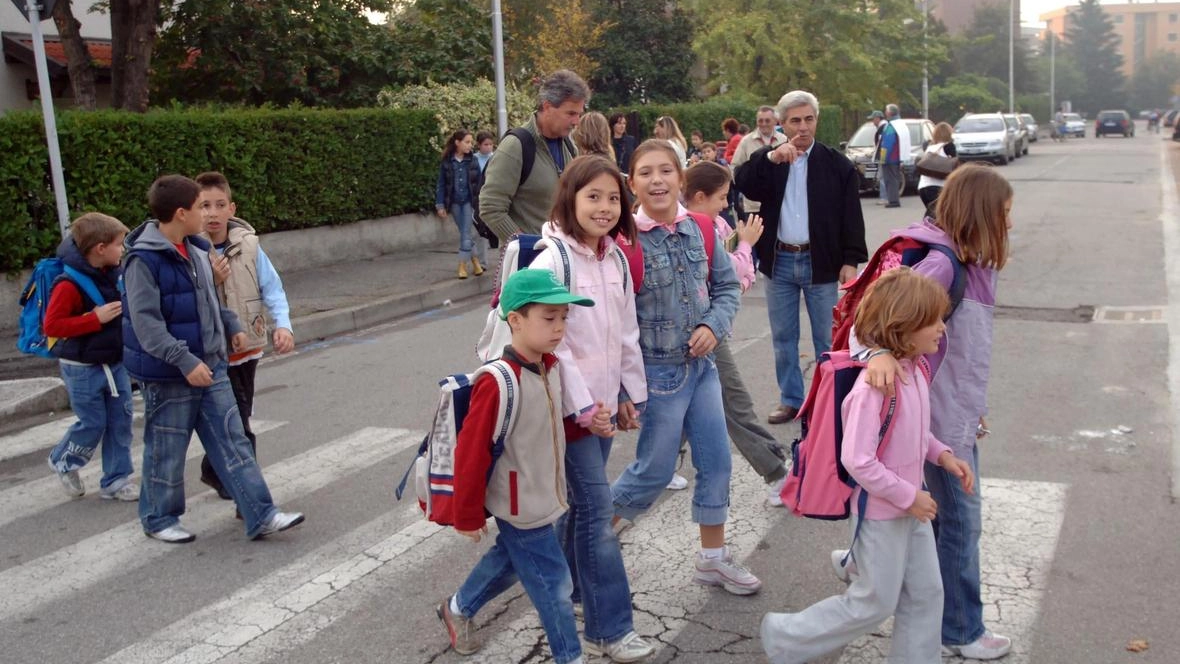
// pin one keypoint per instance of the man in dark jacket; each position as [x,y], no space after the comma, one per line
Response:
[814,235]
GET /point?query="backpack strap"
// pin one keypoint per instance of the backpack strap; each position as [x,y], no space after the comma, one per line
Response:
[958,282]
[616,253]
[509,394]
[563,260]
[528,151]
[86,284]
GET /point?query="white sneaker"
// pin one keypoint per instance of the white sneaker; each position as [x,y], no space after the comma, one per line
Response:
[775,496]
[128,493]
[279,522]
[843,572]
[678,483]
[988,646]
[726,573]
[630,648]
[70,482]
[172,535]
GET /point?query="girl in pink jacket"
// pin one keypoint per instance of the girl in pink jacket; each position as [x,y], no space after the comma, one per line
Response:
[601,376]
[893,546]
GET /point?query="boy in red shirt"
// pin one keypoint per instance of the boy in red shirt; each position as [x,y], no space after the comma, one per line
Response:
[89,347]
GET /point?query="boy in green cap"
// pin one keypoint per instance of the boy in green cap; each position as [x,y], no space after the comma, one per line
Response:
[525,491]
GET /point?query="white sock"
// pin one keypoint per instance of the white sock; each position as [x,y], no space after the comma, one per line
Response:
[713,554]
[577,661]
[455,604]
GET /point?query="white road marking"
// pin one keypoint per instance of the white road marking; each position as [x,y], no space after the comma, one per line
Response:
[1021,524]
[92,560]
[1170,224]
[40,437]
[29,498]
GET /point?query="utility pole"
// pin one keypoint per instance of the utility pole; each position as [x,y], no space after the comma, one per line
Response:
[1011,52]
[1052,73]
[925,64]
[498,56]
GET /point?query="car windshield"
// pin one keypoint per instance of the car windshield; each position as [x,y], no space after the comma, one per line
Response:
[1110,115]
[1028,119]
[976,125]
[1072,117]
[864,137]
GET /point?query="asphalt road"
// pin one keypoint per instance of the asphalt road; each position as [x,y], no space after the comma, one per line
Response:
[1082,536]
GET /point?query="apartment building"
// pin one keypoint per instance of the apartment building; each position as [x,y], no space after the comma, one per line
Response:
[1144,28]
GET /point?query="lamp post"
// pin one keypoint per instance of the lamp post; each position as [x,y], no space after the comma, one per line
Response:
[925,64]
[498,56]
[1011,51]
[1052,73]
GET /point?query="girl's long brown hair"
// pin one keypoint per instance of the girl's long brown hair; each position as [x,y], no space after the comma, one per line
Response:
[579,173]
[971,209]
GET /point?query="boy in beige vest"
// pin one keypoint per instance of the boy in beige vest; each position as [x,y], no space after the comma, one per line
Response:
[247,283]
[525,491]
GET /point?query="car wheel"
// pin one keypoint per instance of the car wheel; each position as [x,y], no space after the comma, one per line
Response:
[1025,148]
[1003,161]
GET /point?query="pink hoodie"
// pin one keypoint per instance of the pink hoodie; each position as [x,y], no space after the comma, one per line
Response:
[600,352]
[894,479]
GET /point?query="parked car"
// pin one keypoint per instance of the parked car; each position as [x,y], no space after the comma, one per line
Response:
[1016,125]
[1031,124]
[859,149]
[1074,125]
[984,136]
[1114,122]
[1170,117]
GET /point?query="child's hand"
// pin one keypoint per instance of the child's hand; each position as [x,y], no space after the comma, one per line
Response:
[239,341]
[881,372]
[982,431]
[108,312]
[284,340]
[601,425]
[750,230]
[960,469]
[628,416]
[220,267]
[702,342]
[924,507]
[442,214]
[200,376]
[474,535]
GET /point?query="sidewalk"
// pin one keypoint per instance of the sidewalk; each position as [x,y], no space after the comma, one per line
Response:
[325,301]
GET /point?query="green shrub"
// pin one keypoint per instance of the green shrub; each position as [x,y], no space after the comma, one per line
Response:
[288,168]
[461,106]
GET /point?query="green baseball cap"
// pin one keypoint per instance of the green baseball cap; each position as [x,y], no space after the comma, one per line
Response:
[875,114]
[538,286]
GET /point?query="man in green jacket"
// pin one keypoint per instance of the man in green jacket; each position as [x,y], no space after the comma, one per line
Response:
[509,206]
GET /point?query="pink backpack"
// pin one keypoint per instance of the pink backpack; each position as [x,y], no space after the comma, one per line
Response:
[818,486]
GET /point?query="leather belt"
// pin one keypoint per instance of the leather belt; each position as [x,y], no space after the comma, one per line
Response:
[792,248]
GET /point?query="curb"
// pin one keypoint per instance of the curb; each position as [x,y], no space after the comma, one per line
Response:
[33,396]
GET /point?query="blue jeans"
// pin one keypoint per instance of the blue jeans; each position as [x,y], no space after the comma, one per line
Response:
[956,530]
[101,418]
[534,557]
[680,398]
[591,547]
[792,275]
[172,411]
[469,241]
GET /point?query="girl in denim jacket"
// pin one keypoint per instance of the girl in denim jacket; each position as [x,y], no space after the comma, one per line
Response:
[685,305]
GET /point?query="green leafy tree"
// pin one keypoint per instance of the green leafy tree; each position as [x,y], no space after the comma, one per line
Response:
[644,54]
[275,52]
[1094,47]
[983,50]
[442,41]
[1155,81]
[470,106]
[960,95]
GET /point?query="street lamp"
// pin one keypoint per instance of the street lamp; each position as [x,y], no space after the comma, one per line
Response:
[498,56]
[925,64]
[1011,51]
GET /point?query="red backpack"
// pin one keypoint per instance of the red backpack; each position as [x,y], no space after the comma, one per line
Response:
[634,252]
[895,251]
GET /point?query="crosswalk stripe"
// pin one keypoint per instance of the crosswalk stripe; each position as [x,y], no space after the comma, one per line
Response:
[1021,525]
[40,437]
[90,561]
[43,493]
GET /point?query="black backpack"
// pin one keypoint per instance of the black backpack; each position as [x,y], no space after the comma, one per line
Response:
[528,155]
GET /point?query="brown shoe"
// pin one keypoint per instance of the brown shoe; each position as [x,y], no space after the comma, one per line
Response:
[462,269]
[782,414]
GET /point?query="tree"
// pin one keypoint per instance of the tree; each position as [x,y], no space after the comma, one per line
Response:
[644,55]
[568,40]
[964,94]
[441,41]
[77,56]
[1155,81]
[1094,47]
[133,37]
[983,49]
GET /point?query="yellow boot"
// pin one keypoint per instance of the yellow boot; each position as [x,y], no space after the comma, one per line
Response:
[476,268]
[462,269]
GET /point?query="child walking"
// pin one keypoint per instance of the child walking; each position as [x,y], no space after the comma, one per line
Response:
[601,370]
[89,349]
[973,217]
[458,178]
[686,303]
[894,568]
[706,190]
[525,490]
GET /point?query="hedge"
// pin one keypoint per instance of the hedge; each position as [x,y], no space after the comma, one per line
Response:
[289,168]
[707,117]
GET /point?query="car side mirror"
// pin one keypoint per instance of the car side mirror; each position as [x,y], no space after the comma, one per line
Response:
[843,145]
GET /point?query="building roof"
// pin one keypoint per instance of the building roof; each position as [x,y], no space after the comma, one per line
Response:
[18,47]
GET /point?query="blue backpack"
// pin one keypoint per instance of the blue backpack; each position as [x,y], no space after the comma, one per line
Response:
[34,299]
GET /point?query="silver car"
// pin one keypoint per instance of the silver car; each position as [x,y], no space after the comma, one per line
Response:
[1019,132]
[860,151]
[984,136]
[1031,124]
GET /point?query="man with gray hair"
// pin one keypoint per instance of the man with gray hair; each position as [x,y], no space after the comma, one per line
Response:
[515,198]
[894,144]
[765,135]
[814,236]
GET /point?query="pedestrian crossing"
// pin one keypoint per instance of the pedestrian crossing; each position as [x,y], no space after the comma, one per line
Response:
[278,614]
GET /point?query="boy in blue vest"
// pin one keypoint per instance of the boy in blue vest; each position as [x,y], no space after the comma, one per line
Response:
[89,348]
[174,337]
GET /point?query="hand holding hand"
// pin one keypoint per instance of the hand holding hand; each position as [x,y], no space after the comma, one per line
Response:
[474,535]
[108,312]
[601,425]
[200,376]
[284,340]
[702,342]
[960,469]
[924,508]
[628,416]
[750,230]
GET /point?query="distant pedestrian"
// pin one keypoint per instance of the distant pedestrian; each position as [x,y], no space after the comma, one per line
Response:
[878,120]
[592,136]
[458,177]
[765,136]
[485,146]
[89,349]
[622,142]
[668,130]
[895,146]
[506,204]
[731,130]
[709,154]
[942,144]
[249,285]
[893,569]
[815,237]
[524,489]
[974,216]
[696,140]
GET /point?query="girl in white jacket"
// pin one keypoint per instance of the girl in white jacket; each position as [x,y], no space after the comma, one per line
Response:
[602,377]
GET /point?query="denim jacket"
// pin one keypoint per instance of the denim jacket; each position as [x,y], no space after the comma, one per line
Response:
[681,290]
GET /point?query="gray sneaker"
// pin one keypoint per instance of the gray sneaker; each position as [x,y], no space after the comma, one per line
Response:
[172,535]
[630,648]
[460,629]
[726,573]
[70,482]
[279,522]
[128,493]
